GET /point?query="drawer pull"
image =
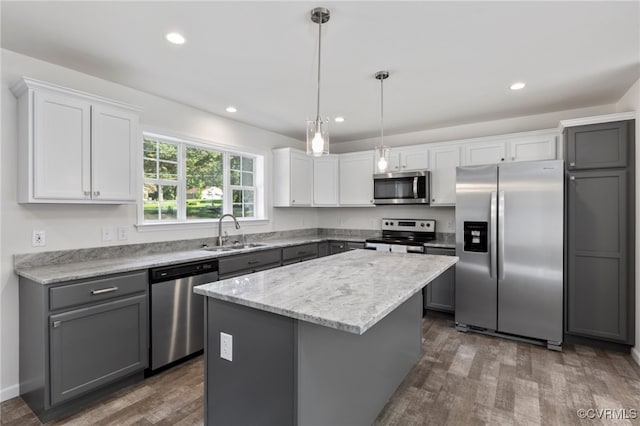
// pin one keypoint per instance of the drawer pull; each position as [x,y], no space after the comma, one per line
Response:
[253,262]
[104,290]
[56,324]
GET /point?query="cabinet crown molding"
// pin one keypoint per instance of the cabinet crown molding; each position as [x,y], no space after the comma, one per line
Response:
[27,83]
[622,116]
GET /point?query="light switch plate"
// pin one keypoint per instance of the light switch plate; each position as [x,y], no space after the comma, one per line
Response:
[226,346]
[38,238]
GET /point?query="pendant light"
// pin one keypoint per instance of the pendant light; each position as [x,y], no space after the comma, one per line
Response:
[382,151]
[318,129]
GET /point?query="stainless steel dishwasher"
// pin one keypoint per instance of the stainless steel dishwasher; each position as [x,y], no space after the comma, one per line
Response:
[177,313]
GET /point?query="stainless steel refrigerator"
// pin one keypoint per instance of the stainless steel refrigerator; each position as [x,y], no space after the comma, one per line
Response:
[509,238]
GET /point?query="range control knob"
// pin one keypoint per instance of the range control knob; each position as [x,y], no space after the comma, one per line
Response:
[386,223]
[428,225]
[391,223]
[422,224]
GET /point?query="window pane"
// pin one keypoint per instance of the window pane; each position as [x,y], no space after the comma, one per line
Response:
[247,179]
[248,210]
[247,196]
[167,203]
[236,196]
[234,162]
[150,148]
[204,183]
[168,171]
[235,178]
[150,201]
[168,151]
[237,210]
[247,164]
[150,169]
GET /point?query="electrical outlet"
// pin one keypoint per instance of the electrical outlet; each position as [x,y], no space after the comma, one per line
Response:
[226,346]
[38,239]
[123,233]
[107,233]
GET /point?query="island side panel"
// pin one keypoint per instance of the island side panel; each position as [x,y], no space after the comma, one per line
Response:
[257,387]
[345,378]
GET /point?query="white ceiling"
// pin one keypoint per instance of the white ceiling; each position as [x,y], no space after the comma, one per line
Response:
[450,62]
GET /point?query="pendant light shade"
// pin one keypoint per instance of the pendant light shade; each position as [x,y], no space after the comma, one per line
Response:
[318,129]
[382,151]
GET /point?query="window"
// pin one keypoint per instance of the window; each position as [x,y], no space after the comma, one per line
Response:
[189,182]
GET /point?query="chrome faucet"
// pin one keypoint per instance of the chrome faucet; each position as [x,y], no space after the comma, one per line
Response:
[220,240]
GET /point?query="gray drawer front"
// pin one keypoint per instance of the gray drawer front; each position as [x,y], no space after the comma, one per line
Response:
[441,251]
[249,262]
[97,290]
[298,253]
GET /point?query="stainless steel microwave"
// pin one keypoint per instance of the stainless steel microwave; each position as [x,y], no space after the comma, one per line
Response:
[401,187]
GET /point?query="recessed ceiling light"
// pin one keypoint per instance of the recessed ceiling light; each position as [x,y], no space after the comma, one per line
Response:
[231,109]
[517,86]
[339,119]
[175,38]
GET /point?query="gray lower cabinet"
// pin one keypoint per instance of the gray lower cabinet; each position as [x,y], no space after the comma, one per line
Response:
[600,230]
[439,295]
[80,340]
[299,253]
[323,249]
[242,264]
[337,247]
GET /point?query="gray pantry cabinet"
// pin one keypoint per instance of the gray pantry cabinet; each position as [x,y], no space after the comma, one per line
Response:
[600,229]
[81,339]
[439,295]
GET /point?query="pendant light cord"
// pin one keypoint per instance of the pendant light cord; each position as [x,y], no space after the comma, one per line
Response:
[382,113]
[319,57]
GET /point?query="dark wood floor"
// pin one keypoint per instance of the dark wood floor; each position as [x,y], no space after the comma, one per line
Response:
[462,378]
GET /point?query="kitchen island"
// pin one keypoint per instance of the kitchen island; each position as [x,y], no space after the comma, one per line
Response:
[321,342]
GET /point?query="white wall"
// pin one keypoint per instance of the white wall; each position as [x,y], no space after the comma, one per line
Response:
[79,226]
[631,102]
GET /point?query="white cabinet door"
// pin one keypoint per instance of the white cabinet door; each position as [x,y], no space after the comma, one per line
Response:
[484,153]
[113,154]
[301,179]
[356,179]
[532,149]
[61,148]
[325,180]
[416,158]
[443,165]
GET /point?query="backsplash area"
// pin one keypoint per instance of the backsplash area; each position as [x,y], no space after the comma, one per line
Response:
[370,218]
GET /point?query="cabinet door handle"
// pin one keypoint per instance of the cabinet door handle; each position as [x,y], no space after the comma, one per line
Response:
[96,193]
[105,290]
[371,201]
[87,193]
[56,324]
[572,177]
[253,262]
[293,201]
[404,166]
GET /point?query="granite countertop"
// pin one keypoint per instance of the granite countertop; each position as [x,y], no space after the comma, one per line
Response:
[51,274]
[349,291]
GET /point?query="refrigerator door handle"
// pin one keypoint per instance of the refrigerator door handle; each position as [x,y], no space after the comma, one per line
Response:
[415,187]
[501,242]
[493,232]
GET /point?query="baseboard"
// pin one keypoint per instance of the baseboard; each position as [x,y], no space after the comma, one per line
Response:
[9,392]
[635,354]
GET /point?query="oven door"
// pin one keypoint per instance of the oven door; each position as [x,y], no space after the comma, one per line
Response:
[401,188]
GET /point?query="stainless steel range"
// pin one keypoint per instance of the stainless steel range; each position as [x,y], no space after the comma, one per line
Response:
[404,235]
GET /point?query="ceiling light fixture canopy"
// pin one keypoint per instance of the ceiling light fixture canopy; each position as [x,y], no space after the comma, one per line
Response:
[382,151]
[318,129]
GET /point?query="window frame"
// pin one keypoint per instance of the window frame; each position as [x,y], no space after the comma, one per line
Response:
[181,197]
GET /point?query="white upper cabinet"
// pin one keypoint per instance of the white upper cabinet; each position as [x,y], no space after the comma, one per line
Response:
[356,179]
[326,181]
[542,147]
[484,153]
[74,147]
[444,161]
[292,178]
[406,159]
[521,147]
